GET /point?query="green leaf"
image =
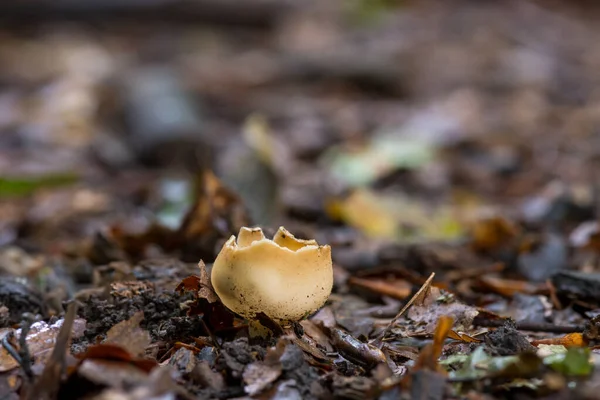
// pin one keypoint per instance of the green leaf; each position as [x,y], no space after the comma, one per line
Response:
[575,362]
[16,187]
[383,154]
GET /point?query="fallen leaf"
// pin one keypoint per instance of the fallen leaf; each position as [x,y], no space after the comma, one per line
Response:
[436,305]
[574,362]
[40,339]
[397,289]
[489,234]
[216,212]
[418,298]
[316,334]
[364,354]
[463,337]
[479,365]
[114,374]
[10,382]
[129,335]
[508,287]
[428,358]
[394,217]
[575,339]
[128,289]
[259,375]
[206,290]
[47,385]
[207,303]
[22,186]
[204,376]
[114,352]
[189,284]
[384,153]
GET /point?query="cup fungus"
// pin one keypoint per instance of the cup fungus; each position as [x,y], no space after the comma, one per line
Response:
[285,278]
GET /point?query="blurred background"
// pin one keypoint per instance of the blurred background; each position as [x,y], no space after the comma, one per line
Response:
[134,128]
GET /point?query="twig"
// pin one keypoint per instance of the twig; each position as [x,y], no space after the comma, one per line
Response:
[11,350]
[47,385]
[210,333]
[24,349]
[417,295]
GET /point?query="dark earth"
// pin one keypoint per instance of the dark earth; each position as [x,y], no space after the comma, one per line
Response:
[447,151]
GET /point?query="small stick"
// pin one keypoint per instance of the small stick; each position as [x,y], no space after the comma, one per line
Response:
[210,333]
[24,349]
[11,350]
[417,295]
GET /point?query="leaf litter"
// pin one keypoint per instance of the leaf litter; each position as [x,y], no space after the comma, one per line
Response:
[452,174]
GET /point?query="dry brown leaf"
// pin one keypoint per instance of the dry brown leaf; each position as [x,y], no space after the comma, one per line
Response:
[489,234]
[200,284]
[509,287]
[215,207]
[435,306]
[129,289]
[316,335]
[364,354]
[129,335]
[397,289]
[463,337]
[47,385]
[570,340]
[259,375]
[428,358]
[418,298]
[40,341]
[206,290]
[114,352]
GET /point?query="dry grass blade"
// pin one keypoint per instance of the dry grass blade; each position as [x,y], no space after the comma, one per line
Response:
[424,288]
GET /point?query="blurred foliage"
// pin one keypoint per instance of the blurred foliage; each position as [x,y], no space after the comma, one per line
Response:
[369,11]
[23,186]
[574,361]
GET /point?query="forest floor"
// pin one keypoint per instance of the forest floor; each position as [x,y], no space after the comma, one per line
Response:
[448,152]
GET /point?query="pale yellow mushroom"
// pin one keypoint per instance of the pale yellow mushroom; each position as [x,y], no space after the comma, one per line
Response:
[285,278]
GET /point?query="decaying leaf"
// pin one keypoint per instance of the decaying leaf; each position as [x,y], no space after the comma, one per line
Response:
[114,352]
[216,211]
[418,298]
[123,381]
[383,154]
[47,385]
[397,289]
[394,217]
[508,287]
[428,358]
[129,335]
[575,361]
[361,353]
[427,379]
[435,305]
[479,365]
[463,337]
[207,303]
[41,339]
[261,374]
[575,339]
[216,214]
[200,284]
[491,233]
[203,375]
